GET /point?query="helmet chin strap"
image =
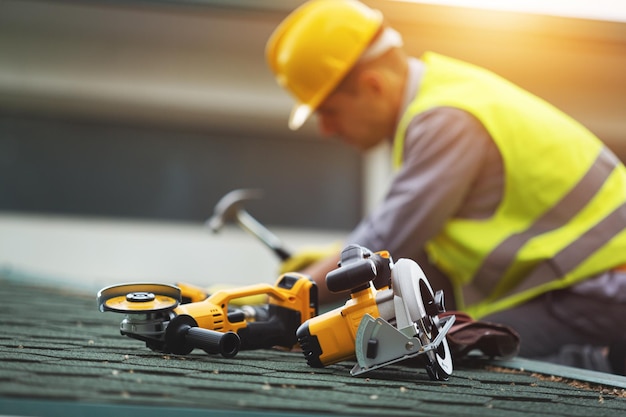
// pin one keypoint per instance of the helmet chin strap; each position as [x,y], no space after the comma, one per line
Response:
[388,39]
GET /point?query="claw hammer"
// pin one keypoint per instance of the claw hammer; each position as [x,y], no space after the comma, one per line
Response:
[231,207]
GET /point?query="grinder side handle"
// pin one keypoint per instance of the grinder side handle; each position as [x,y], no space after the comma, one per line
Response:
[183,335]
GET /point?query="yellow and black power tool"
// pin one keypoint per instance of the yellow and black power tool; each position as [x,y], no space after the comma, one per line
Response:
[392,315]
[158,315]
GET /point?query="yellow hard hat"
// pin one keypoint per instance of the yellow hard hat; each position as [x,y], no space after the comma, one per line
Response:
[314,48]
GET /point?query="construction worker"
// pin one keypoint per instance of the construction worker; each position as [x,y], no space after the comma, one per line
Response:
[521,208]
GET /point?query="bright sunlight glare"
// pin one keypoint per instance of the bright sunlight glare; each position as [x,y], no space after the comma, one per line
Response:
[611,10]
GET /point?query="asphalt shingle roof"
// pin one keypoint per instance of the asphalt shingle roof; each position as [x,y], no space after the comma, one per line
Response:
[60,356]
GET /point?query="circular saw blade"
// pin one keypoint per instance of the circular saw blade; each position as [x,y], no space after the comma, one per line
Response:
[139,298]
[440,366]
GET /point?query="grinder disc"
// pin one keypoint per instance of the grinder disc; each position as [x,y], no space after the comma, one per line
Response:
[139,298]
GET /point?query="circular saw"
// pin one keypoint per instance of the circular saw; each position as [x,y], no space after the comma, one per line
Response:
[418,331]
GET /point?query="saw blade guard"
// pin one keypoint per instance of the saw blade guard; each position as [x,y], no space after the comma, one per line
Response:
[415,305]
[408,281]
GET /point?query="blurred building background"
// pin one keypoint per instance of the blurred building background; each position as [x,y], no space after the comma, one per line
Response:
[122,123]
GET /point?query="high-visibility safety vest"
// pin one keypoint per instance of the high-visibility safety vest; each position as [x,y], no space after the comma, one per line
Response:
[563,212]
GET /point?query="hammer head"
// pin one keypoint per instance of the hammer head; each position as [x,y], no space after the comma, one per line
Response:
[229,206]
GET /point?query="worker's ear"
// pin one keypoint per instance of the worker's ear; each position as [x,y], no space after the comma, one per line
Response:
[372,82]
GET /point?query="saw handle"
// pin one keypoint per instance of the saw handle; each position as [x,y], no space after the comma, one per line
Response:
[353,276]
[357,268]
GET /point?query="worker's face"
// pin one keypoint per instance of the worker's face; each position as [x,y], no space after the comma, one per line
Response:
[354,116]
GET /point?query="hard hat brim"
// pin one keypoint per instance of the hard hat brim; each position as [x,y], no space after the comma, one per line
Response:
[300,113]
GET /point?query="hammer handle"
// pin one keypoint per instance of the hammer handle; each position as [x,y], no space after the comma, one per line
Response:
[272,241]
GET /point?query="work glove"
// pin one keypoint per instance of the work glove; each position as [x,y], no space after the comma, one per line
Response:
[308,256]
[492,339]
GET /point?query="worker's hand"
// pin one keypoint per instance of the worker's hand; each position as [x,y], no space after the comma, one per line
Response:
[308,256]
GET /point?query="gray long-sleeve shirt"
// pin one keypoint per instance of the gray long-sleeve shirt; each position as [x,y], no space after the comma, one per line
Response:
[451,168]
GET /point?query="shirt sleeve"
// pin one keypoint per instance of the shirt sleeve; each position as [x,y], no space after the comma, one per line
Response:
[444,151]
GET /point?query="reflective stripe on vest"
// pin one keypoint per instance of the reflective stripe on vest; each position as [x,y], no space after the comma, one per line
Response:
[565,261]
